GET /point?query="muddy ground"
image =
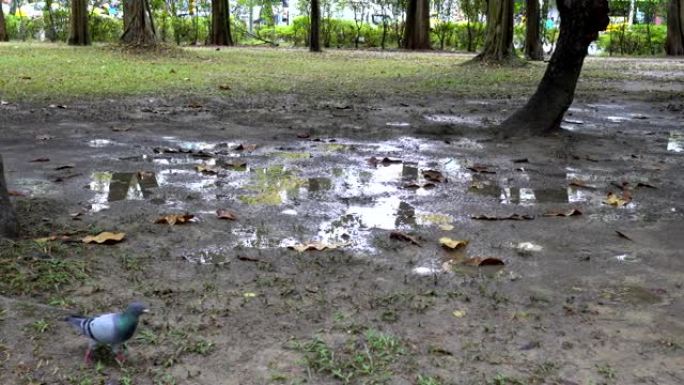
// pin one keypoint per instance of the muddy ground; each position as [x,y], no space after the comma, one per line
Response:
[594,298]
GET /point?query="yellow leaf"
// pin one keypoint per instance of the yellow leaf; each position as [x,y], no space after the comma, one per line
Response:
[105,238]
[459,313]
[452,243]
[446,227]
[173,219]
[614,200]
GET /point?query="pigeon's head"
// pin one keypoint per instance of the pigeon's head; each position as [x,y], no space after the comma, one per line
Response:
[137,308]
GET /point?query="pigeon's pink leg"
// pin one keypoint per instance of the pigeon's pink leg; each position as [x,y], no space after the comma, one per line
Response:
[89,356]
[120,354]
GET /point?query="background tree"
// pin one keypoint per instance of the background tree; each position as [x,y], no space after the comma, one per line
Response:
[581,21]
[138,23]
[220,23]
[674,45]
[3,28]
[417,29]
[79,34]
[472,10]
[315,28]
[533,44]
[8,220]
[360,8]
[498,45]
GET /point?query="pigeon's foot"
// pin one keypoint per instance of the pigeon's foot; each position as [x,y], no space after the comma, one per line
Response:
[88,357]
[120,358]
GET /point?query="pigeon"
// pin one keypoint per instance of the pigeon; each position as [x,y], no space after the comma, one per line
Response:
[111,329]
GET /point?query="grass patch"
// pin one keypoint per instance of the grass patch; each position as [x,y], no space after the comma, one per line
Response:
[366,358]
[28,267]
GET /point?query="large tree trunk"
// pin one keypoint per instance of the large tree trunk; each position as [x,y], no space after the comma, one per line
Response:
[315,28]
[675,28]
[79,23]
[581,21]
[138,23]
[533,44]
[220,23]
[3,28]
[417,27]
[498,45]
[8,220]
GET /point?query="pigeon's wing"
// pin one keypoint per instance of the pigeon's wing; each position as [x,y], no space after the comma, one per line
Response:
[103,329]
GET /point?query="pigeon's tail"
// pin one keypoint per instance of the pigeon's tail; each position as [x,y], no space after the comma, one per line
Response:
[80,323]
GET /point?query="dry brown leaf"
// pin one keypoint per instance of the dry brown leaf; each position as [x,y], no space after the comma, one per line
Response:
[568,213]
[434,176]
[512,217]
[105,237]
[623,235]
[614,200]
[580,184]
[521,160]
[384,161]
[246,147]
[415,186]
[642,184]
[452,244]
[62,238]
[236,165]
[120,129]
[194,104]
[481,169]
[40,160]
[175,219]
[15,193]
[483,261]
[226,214]
[207,169]
[303,135]
[398,235]
[64,167]
[224,87]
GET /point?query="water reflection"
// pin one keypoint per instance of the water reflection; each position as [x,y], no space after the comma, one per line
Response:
[676,142]
[116,186]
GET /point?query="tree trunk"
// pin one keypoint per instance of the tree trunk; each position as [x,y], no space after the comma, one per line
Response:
[315,27]
[581,21]
[79,23]
[632,9]
[8,219]
[3,29]
[138,23]
[533,44]
[498,45]
[417,28]
[220,23]
[674,45]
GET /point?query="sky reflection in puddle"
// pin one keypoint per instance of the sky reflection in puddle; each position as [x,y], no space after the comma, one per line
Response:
[676,142]
[117,186]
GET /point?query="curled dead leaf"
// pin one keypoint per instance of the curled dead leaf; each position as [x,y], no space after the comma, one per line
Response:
[105,237]
[226,214]
[452,244]
[483,261]
[64,167]
[481,169]
[580,184]
[567,213]
[434,176]
[303,135]
[623,235]
[615,200]
[415,186]
[384,161]
[245,147]
[398,235]
[175,219]
[512,217]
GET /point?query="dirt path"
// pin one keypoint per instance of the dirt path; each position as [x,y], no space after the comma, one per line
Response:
[586,299]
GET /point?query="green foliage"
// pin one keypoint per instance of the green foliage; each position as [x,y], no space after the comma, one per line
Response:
[105,28]
[641,39]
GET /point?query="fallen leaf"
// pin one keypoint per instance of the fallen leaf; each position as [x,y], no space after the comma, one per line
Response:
[76,216]
[568,213]
[446,227]
[25,77]
[44,137]
[580,184]
[224,87]
[483,261]
[105,237]
[512,217]
[623,235]
[458,313]
[452,243]
[614,200]
[63,238]
[40,160]
[641,184]
[521,160]
[120,129]
[434,176]
[173,219]
[398,235]
[236,165]
[15,193]
[64,167]
[206,169]
[314,246]
[248,259]
[481,169]
[194,105]
[415,186]
[226,214]
[384,161]
[245,147]
[303,135]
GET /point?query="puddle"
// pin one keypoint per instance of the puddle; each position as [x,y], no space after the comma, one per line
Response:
[272,186]
[190,145]
[99,143]
[398,124]
[117,186]
[626,258]
[676,142]
[37,187]
[454,119]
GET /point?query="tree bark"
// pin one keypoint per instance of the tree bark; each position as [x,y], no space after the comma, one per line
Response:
[79,34]
[498,45]
[315,27]
[533,44]
[8,219]
[3,29]
[220,23]
[417,29]
[674,45]
[138,23]
[581,21]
